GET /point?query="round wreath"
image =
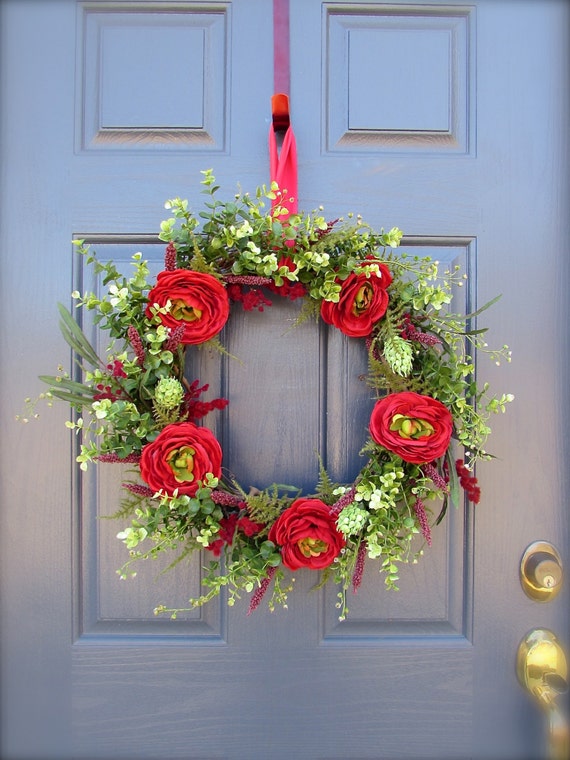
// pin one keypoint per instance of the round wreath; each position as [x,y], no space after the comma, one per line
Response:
[138,407]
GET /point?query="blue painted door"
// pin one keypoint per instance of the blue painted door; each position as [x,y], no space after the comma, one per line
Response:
[449,121]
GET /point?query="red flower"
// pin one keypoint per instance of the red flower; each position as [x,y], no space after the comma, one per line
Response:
[228,527]
[225,534]
[307,535]
[416,428]
[179,457]
[105,391]
[198,301]
[170,257]
[250,299]
[363,301]
[137,344]
[468,482]
[288,289]
[116,368]
[249,526]
[197,409]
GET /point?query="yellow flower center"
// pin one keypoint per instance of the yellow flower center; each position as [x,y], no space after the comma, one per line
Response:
[181,463]
[312,547]
[410,427]
[184,311]
[362,300]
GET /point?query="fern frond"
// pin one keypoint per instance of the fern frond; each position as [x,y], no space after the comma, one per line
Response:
[129,505]
[191,546]
[310,309]
[325,486]
[199,263]
[266,506]
[165,416]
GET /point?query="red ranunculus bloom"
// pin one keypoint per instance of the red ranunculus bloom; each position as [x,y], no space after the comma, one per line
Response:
[198,300]
[179,457]
[417,428]
[307,535]
[363,301]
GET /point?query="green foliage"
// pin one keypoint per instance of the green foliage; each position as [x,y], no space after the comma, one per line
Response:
[116,395]
[122,401]
[266,506]
[240,237]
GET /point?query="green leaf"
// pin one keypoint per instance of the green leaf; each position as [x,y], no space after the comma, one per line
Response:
[75,337]
[475,332]
[70,385]
[443,510]
[453,480]
[483,308]
[72,398]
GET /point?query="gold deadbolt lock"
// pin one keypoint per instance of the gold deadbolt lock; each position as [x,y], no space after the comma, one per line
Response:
[541,571]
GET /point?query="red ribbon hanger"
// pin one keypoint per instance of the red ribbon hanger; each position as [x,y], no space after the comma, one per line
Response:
[282,163]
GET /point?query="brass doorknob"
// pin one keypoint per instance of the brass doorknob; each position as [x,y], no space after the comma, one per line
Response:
[543,672]
[541,571]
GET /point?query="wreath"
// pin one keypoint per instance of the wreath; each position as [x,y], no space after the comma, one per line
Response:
[136,406]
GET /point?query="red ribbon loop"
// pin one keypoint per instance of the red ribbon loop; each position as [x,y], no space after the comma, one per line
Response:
[283,170]
[283,163]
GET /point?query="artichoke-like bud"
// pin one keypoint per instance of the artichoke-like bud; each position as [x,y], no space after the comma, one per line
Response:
[399,355]
[168,393]
[352,519]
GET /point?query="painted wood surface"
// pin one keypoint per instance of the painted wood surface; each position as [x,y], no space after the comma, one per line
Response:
[437,118]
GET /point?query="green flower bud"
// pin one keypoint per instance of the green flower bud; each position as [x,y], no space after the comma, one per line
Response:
[399,355]
[352,519]
[168,393]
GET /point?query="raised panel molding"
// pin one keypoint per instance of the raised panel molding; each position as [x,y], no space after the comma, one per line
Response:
[398,78]
[152,76]
[435,597]
[108,610]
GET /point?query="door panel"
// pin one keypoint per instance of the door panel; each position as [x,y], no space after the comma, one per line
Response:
[416,115]
[129,102]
